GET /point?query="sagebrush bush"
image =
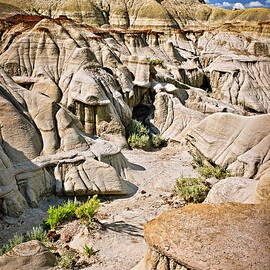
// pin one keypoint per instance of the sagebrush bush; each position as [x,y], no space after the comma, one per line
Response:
[192,189]
[208,170]
[66,261]
[16,240]
[88,209]
[37,233]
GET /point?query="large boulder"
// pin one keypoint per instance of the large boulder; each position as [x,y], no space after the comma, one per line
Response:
[28,255]
[209,236]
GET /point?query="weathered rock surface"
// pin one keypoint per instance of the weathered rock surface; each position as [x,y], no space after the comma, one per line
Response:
[233,189]
[66,84]
[263,188]
[209,236]
[28,255]
[238,143]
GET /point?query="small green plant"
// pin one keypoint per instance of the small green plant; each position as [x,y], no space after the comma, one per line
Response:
[95,23]
[66,261]
[138,135]
[136,141]
[158,141]
[88,209]
[88,251]
[37,233]
[154,61]
[105,10]
[61,213]
[16,240]
[206,169]
[217,172]
[192,189]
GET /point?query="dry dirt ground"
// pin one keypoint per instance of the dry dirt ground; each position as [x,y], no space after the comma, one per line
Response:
[118,240]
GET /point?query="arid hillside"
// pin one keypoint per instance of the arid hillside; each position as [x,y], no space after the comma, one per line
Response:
[78,79]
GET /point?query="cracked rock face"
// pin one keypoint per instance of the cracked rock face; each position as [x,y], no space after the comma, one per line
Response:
[71,90]
[209,236]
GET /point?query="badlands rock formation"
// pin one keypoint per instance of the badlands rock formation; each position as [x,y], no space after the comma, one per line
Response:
[73,76]
[69,90]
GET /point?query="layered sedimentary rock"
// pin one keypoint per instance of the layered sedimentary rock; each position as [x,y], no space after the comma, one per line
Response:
[71,90]
[238,143]
[32,254]
[209,236]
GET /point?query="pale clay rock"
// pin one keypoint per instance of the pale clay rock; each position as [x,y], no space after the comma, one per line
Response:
[28,255]
[65,84]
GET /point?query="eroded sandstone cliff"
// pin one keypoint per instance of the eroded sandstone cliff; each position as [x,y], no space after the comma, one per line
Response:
[71,89]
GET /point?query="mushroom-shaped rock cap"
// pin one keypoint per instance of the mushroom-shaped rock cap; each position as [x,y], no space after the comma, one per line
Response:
[214,236]
[85,89]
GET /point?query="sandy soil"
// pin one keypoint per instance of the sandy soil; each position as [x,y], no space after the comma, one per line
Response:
[118,242]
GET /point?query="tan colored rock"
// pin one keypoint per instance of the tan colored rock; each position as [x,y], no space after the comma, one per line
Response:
[233,189]
[28,255]
[212,236]
[263,188]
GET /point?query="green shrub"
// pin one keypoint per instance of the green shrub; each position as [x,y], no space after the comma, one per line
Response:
[138,128]
[158,141]
[66,261]
[138,135]
[16,240]
[88,209]
[154,61]
[192,189]
[211,171]
[61,213]
[208,170]
[137,141]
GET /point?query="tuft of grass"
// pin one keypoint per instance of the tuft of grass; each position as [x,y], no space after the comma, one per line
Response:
[88,209]
[61,213]
[88,251]
[37,233]
[192,189]
[66,261]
